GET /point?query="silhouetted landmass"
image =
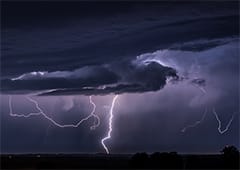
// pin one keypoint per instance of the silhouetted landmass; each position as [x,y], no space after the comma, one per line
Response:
[231,157]
[228,159]
[157,160]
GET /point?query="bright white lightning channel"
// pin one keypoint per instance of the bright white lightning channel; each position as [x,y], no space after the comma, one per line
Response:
[41,112]
[109,125]
[220,123]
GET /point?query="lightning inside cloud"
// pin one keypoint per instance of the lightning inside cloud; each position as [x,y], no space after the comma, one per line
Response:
[109,125]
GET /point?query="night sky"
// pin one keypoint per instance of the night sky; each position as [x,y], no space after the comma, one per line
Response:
[172,65]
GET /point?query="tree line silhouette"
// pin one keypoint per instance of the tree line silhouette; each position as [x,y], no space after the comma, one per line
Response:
[229,159]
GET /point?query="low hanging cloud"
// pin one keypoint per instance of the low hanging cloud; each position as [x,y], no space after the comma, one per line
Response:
[100,58]
[125,77]
[147,72]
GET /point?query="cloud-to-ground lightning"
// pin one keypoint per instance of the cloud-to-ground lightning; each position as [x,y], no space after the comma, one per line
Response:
[41,112]
[92,114]
[220,123]
[109,125]
[196,123]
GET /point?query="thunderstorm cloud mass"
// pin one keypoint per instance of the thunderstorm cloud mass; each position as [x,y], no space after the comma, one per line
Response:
[124,77]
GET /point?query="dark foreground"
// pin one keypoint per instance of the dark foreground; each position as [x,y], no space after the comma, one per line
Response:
[102,161]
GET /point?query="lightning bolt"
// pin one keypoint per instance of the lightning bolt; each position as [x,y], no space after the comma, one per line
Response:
[41,112]
[20,115]
[220,123]
[97,119]
[196,123]
[109,125]
[204,114]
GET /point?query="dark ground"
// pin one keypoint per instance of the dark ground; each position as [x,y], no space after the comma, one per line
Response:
[157,160]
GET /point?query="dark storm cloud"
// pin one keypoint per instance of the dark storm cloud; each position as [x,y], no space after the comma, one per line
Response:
[202,45]
[94,80]
[61,39]
[66,36]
